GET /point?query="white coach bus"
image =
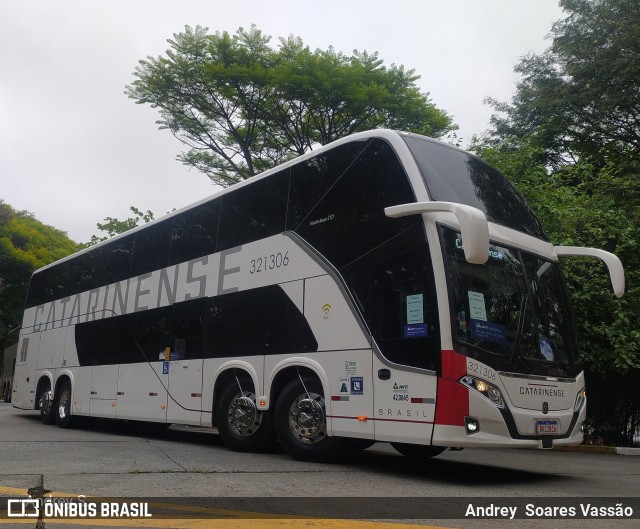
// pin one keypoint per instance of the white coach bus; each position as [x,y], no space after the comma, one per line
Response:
[386,287]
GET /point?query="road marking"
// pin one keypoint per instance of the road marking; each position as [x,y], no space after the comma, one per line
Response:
[223,518]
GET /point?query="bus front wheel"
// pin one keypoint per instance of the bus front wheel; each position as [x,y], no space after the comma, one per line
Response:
[241,425]
[301,421]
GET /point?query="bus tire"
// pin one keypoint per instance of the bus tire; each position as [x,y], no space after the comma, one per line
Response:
[241,425]
[46,407]
[417,452]
[63,405]
[301,422]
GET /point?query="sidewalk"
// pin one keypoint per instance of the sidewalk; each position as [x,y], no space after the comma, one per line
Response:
[591,449]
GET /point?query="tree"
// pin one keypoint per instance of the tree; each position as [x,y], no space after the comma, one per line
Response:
[113,226]
[579,99]
[25,245]
[242,106]
[608,339]
[570,141]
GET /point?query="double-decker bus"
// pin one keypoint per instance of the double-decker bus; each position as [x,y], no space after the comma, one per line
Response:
[386,287]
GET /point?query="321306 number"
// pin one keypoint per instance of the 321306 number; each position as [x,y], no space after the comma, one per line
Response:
[269,262]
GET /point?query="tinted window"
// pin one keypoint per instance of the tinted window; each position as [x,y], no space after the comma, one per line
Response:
[511,313]
[337,199]
[254,212]
[152,248]
[37,291]
[143,336]
[108,341]
[256,322]
[117,260]
[452,175]
[177,327]
[395,288]
[195,232]
[337,203]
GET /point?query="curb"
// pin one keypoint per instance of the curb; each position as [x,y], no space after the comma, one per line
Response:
[589,449]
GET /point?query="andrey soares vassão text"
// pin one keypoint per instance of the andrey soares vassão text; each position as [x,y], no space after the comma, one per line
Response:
[531,510]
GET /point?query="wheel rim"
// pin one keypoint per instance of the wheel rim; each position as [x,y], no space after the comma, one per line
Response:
[63,404]
[307,418]
[45,402]
[243,416]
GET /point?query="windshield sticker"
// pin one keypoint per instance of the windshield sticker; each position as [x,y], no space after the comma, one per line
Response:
[477,309]
[415,331]
[486,331]
[493,252]
[545,348]
[415,309]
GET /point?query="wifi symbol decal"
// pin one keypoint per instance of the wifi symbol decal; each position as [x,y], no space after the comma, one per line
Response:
[326,308]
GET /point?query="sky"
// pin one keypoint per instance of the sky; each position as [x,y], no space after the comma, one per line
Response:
[75,150]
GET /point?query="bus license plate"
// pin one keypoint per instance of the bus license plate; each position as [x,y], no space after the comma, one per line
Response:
[548,427]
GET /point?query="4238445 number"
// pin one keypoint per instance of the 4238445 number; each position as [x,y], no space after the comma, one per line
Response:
[269,262]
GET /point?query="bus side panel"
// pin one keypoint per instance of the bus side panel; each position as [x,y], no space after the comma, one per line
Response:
[52,347]
[104,386]
[184,405]
[24,380]
[80,390]
[330,317]
[349,395]
[345,354]
[141,395]
[404,405]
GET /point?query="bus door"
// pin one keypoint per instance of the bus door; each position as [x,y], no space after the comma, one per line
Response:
[406,336]
[184,364]
[185,389]
[404,403]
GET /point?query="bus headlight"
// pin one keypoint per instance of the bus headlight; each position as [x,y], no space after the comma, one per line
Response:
[580,400]
[485,389]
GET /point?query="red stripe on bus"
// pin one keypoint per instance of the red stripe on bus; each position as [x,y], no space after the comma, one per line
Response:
[452,404]
[376,419]
[454,365]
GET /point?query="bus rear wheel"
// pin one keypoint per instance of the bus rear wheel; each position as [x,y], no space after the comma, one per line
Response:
[63,405]
[301,422]
[241,425]
[417,452]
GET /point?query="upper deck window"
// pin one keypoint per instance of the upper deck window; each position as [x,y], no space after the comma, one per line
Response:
[452,175]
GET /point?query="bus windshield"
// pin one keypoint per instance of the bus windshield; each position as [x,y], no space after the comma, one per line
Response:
[511,313]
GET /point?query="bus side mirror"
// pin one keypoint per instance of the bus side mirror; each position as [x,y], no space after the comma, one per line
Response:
[473,225]
[616,271]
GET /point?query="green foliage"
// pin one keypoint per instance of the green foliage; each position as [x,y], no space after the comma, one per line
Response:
[242,107]
[579,100]
[580,205]
[25,245]
[570,141]
[113,226]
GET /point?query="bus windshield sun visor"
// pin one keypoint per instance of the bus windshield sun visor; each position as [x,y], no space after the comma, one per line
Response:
[616,270]
[473,224]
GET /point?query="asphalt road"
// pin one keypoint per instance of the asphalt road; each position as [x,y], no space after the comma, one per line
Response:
[108,459]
